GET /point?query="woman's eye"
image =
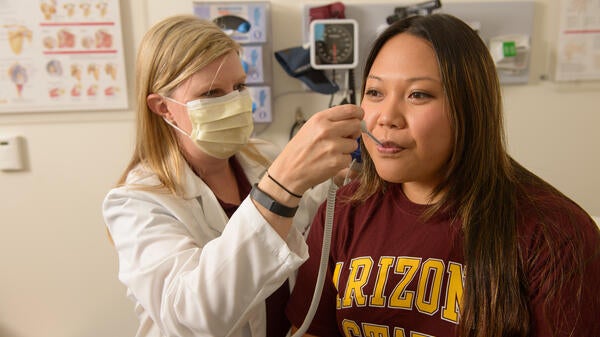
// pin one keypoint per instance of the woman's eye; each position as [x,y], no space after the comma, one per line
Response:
[240,87]
[419,95]
[372,93]
[210,93]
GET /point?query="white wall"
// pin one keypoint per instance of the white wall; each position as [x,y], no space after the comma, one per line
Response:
[58,269]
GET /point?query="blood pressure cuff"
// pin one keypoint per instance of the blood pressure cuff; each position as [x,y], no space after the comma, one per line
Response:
[330,11]
[296,63]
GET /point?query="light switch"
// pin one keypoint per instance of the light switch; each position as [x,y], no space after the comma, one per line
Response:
[11,158]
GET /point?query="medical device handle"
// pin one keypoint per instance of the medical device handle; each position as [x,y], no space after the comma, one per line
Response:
[351,86]
[314,304]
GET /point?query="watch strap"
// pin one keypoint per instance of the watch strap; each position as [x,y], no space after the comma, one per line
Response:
[271,204]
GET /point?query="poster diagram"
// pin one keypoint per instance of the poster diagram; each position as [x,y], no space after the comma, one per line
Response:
[578,54]
[61,55]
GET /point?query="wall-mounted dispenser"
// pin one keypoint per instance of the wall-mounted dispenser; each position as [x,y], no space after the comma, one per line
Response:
[510,52]
[11,157]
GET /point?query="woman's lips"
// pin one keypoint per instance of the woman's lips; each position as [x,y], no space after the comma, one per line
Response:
[388,147]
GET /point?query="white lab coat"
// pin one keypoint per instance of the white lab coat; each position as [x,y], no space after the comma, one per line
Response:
[189,269]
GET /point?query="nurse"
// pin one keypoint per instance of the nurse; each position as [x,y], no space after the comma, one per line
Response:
[205,219]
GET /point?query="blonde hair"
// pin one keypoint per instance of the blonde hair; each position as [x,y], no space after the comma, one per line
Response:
[170,52]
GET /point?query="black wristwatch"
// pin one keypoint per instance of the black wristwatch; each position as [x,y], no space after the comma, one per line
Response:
[269,203]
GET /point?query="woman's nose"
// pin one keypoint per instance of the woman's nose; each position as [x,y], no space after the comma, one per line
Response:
[391,116]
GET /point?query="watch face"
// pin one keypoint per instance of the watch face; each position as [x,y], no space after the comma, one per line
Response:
[334,43]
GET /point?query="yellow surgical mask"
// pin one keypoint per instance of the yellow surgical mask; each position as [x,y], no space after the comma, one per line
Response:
[221,125]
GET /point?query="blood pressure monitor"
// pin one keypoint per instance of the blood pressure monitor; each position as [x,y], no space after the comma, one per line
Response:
[333,43]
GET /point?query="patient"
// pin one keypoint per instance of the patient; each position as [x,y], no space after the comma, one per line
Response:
[443,233]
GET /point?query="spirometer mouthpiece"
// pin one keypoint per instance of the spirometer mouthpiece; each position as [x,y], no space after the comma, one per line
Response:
[363,128]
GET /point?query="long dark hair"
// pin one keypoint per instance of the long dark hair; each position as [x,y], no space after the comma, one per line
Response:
[483,186]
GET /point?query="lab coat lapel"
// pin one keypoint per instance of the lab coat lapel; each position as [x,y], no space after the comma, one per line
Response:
[209,205]
[196,188]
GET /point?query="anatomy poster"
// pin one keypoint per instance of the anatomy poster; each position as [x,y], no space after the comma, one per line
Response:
[578,56]
[61,55]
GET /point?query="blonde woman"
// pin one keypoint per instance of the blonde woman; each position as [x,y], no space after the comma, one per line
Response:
[198,255]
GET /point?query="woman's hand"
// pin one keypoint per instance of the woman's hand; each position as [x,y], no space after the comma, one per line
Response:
[320,149]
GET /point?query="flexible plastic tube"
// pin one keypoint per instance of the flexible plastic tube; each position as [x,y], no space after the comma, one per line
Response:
[314,304]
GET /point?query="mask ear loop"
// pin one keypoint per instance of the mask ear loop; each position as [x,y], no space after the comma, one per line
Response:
[173,100]
[217,73]
[209,89]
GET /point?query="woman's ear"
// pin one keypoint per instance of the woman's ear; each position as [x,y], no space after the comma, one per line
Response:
[157,104]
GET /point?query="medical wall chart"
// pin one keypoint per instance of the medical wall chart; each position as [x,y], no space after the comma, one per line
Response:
[578,54]
[61,55]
